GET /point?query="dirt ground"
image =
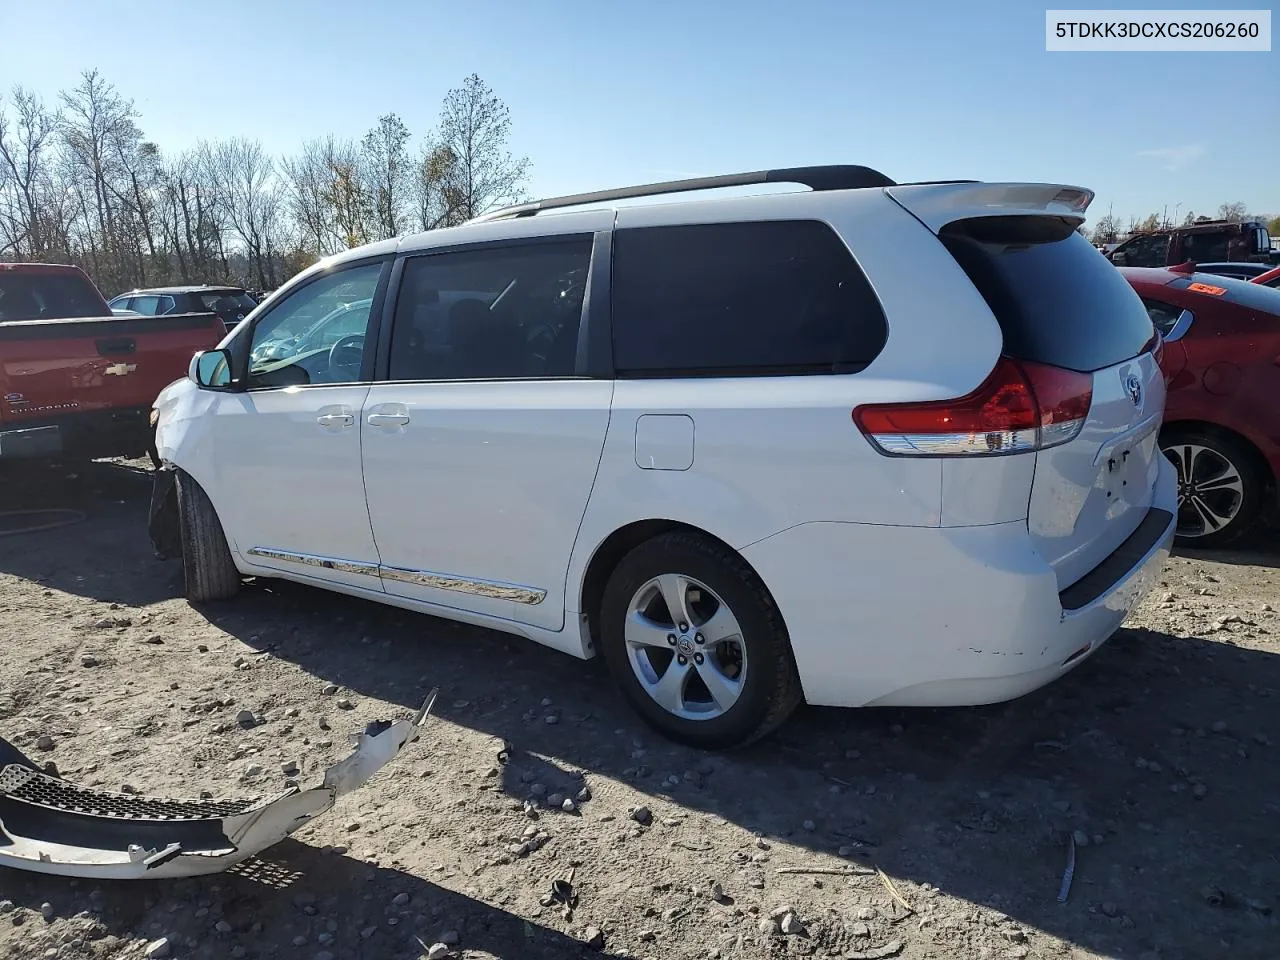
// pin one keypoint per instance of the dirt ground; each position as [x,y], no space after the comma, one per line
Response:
[1158,756]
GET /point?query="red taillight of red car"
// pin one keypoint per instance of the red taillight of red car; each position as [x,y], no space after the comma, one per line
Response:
[1021,406]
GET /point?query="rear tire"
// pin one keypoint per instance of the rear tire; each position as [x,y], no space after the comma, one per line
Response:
[208,570]
[750,665]
[1221,498]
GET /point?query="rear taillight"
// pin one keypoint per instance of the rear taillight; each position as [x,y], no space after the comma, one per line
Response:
[1021,406]
[1155,347]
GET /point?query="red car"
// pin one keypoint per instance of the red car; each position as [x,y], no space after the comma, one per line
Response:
[1269,279]
[1222,417]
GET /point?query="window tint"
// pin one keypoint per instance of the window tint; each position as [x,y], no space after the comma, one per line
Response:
[46,296]
[1058,300]
[741,299]
[1206,247]
[317,333]
[227,301]
[1146,252]
[508,312]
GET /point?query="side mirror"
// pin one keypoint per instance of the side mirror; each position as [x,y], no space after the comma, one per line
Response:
[1261,241]
[211,369]
[1119,259]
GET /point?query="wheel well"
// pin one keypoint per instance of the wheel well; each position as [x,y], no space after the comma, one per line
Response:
[610,553]
[1226,432]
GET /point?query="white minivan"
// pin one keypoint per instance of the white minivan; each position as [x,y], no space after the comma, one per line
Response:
[857,444]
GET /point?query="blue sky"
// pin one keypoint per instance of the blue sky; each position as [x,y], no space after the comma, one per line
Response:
[607,93]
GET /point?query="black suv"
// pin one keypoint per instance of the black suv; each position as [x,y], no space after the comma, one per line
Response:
[232,304]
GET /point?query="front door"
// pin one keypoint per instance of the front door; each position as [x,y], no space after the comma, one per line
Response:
[481,448]
[288,448]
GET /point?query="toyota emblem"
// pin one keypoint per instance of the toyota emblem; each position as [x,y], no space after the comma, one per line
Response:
[1134,386]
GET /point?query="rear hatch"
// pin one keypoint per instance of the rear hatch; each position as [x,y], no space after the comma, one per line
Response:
[1061,306]
[231,304]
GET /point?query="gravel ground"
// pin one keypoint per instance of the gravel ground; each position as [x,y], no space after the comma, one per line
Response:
[1158,756]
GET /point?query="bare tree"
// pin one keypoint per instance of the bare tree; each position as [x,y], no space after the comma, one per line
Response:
[1235,212]
[1107,229]
[435,201]
[385,151]
[308,180]
[346,196]
[474,127]
[31,222]
[98,128]
[250,196]
[1149,225]
[80,183]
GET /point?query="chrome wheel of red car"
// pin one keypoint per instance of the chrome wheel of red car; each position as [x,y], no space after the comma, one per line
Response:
[1218,487]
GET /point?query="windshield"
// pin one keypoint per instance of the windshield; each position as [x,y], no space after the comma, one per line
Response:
[47,296]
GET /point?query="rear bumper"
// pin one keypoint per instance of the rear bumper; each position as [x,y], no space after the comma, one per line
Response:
[123,432]
[909,616]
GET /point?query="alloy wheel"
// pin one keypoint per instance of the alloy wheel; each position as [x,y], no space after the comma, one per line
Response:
[1210,489]
[685,647]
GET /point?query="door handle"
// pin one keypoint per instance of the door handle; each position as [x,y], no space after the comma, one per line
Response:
[388,419]
[335,420]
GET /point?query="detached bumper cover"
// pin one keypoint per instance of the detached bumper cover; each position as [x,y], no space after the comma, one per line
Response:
[48,825]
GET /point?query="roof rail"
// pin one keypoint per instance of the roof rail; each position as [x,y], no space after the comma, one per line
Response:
[838,177]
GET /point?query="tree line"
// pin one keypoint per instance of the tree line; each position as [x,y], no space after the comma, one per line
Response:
[1111,229]
[80,183]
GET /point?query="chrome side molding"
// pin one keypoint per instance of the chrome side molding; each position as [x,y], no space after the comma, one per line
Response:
[495,589]
[481,588]
[311,560]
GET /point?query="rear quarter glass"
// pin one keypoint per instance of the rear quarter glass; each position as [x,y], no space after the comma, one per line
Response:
[1057,299]
[749,298]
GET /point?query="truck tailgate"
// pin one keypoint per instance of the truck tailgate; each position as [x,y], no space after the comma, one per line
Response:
[50,368]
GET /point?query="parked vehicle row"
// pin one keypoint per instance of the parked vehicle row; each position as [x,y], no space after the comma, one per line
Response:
[729,445]
[231,304]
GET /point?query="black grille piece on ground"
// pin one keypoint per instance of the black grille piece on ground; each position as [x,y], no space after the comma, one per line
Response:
[41,790]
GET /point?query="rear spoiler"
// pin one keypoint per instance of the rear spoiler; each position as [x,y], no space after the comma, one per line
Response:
[936,205]
[104,326]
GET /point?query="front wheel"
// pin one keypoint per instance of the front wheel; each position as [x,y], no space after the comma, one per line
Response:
[1219,486]
[208,570]
[696,643]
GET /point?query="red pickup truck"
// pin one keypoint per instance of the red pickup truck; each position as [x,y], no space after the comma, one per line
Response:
[77,382]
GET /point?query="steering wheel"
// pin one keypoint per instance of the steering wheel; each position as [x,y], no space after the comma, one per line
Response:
[540,340]
[347,354]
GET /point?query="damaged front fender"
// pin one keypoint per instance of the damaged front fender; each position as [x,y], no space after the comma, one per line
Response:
[48,825]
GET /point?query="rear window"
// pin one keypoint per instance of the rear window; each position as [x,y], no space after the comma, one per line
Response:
[228,302]
[1252,296]
[741,299]
[1057,299]
[1208,247]
[47,296]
